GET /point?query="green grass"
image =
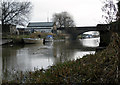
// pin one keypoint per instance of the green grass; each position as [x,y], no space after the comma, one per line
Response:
[101,67]
[18,38]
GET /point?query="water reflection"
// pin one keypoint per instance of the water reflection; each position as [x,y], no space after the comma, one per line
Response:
[94,42]
[82,53]
[29,57]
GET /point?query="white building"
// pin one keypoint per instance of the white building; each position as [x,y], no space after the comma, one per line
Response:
[48,27]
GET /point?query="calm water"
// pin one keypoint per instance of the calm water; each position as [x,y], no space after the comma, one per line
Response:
[33,56]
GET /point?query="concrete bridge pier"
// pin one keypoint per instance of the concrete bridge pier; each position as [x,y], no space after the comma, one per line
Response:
[105,37]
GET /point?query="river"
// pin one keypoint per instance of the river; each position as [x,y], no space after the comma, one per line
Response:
[30,57]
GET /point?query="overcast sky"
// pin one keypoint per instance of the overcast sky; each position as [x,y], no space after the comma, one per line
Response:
[84,12]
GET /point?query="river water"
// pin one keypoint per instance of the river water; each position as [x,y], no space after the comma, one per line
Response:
[35,56]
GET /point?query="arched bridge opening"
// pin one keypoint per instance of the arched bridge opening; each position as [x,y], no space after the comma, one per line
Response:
[103,30]
[89,34]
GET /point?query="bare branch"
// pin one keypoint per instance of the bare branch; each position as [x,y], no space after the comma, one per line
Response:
[13,11]
[110,11]
[63,20]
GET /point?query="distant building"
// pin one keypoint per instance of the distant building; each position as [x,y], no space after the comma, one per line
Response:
[48,27]
[9,29]
[23,31]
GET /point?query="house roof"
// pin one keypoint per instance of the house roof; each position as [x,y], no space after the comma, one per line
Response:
[40,24]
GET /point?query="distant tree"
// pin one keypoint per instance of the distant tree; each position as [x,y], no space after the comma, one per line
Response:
[118,18]
[118,6]
[16,13]
[0,13]
[118,14]
[63,19]
[110,10]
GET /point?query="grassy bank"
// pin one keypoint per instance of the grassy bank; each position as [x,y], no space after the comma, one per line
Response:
[44,35]
[18,38]
[101,67]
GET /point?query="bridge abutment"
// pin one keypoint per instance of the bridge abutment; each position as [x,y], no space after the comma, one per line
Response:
[105,37]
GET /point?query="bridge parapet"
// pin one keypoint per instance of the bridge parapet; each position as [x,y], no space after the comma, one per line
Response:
[103,27]
[99,27]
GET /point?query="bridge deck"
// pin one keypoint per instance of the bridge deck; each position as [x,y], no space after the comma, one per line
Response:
[94,28]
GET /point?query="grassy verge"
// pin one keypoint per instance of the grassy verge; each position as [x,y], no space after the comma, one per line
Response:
[18,38]
[101,67]
[44,35]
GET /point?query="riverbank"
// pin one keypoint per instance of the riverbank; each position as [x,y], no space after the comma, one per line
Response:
[99,68]
[18,39]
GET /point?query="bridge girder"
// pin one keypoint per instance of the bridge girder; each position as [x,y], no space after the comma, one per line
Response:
[81,30]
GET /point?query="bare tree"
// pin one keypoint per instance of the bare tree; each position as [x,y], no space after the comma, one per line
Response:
[63,19]
[16,13]
[118,6]
[118,13]
[110,11]
[0,15]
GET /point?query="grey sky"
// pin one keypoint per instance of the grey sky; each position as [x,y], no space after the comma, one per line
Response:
[84,12]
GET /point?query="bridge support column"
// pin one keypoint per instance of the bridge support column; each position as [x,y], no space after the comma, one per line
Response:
[105,37]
